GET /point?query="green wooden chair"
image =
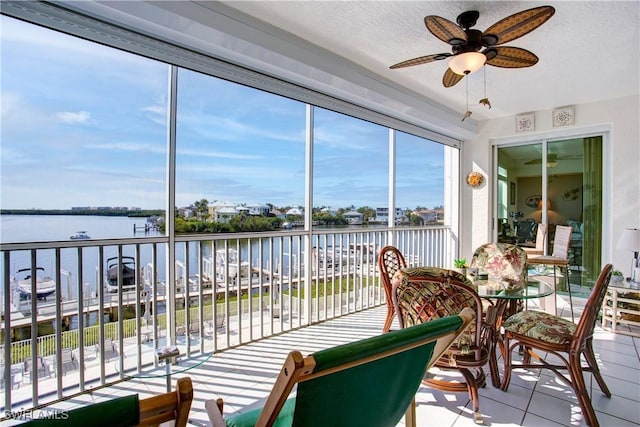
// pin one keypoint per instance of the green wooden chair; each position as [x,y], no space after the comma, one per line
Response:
[371,382]
[125,411]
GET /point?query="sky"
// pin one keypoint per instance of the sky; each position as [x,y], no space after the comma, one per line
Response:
[85,125]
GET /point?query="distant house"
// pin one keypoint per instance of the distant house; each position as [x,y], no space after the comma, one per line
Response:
[276,213]
[382,215]
[353,217]
[328,210]
[221,211]
[225,214]
[295,211]
[427,215]
[430,215]
[186,212]
[258,210]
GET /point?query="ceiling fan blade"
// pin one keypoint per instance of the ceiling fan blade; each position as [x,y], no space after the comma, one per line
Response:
[445,30]
[450,78]
[421,60]
[518,24]
[512,57]
[550,158]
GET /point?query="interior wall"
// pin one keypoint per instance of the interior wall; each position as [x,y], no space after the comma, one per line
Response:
[621,173]
[562,208]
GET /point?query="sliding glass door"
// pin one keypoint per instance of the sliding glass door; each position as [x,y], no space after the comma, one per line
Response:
[553,183]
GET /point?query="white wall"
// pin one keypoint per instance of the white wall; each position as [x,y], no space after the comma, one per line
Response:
[622,170]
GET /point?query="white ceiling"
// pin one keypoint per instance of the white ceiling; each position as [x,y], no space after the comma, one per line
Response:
[589,51]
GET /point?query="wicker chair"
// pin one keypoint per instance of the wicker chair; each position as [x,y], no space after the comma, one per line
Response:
[506,261]
[423,294]
[539,331]
[389,262]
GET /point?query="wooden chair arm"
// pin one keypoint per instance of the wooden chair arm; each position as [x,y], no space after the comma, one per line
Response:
[214,411]
[168,406]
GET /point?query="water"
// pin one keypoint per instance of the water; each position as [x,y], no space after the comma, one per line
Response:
[44,228]
[41,228]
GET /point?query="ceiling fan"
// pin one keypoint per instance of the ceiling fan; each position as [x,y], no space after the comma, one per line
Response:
[467,55]
[553,158]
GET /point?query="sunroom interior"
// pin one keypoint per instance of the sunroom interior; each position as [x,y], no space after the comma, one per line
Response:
[326,65]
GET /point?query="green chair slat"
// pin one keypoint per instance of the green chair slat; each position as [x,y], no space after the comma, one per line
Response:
[249,419]
[118,412]
[350,352]
[353,396]
[375,393]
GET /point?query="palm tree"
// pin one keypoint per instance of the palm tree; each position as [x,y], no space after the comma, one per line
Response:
[202,209]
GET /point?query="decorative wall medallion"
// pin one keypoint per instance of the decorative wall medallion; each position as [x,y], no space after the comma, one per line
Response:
[532,201]
[475,179]
[525,122]
[563,116]
[572,195]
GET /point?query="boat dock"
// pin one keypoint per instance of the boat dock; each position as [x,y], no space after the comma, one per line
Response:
[21,316]
[146,228]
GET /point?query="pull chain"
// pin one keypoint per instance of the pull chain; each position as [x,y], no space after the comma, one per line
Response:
[468,112]
[485,100]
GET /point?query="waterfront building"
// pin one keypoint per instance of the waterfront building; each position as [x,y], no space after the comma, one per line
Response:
[354,217]
[382,214]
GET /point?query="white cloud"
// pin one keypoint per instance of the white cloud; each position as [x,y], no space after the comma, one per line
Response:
[72,118]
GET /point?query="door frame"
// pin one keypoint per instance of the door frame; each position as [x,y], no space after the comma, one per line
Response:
[552,136]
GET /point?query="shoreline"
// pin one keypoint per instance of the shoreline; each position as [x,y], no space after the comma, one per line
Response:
[144,213]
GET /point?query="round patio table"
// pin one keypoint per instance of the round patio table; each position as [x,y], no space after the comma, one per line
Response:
[500,297]
[169,361]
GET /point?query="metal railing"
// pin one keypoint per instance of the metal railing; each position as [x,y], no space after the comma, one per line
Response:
[228,290]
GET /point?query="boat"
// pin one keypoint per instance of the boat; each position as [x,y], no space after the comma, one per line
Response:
[45,285]
[129,276]
[80,235]
[227,259]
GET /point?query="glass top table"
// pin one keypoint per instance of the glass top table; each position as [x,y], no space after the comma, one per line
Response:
[499,290]
[168,361]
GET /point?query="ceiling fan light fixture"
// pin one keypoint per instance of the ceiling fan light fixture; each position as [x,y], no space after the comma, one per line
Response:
[467,63]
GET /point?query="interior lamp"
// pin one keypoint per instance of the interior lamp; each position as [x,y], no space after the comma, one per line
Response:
[548,205]
[467,63]
[630,241]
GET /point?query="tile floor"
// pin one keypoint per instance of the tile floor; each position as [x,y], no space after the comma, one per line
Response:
[243,377]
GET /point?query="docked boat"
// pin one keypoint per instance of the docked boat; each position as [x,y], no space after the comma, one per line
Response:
[227,260]
[80,235]
[128,270]
[45,285]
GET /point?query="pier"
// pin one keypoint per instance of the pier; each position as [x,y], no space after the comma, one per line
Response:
[146,228]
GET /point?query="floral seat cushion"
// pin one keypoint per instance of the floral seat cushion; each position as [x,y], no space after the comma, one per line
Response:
[541,326]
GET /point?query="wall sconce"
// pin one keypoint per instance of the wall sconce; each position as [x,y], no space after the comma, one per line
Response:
[630,241]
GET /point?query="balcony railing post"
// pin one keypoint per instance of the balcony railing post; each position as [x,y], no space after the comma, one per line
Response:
[307,277]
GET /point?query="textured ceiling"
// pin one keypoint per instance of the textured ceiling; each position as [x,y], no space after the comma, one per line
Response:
[589,51]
